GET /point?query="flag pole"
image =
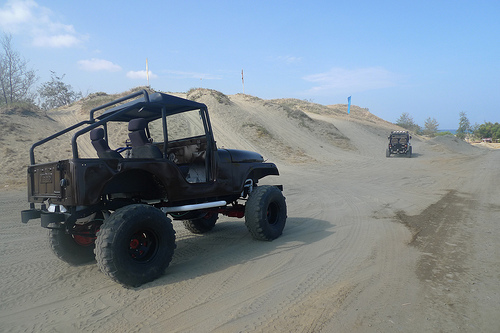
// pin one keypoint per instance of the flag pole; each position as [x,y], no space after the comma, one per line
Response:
[242,82]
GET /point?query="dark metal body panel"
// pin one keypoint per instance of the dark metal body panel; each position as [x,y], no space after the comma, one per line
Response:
[83,182]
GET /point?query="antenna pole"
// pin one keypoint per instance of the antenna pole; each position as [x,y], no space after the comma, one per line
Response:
[242,81]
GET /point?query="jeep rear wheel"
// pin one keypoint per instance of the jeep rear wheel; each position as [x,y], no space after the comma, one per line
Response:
[75,247]
[265,213]
[135,245]
[202,224]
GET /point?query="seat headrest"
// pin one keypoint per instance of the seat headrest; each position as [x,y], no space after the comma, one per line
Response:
[137,124]
[97,134]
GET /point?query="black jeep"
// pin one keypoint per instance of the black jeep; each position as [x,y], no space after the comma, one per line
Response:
[399,143]
[114,207]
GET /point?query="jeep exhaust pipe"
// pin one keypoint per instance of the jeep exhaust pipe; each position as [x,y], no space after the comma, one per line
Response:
[187,208]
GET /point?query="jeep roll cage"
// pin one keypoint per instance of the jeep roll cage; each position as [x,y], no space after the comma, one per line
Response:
[150,107]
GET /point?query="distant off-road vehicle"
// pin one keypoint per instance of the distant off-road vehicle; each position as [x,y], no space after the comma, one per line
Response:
[114,208]
[399,144]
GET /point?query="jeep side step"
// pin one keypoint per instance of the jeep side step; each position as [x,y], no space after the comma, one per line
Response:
[187,208]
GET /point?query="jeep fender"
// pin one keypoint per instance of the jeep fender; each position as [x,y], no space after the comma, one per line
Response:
[259,171]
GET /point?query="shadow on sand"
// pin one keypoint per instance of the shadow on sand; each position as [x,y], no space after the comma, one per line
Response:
[230,243]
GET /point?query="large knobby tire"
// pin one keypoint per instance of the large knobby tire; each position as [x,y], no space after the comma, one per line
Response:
[265,213]
[387,153]
[203,224]
[75,248]
[408,152]
[135,245]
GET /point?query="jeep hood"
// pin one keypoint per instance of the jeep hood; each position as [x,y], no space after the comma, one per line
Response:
[242,156]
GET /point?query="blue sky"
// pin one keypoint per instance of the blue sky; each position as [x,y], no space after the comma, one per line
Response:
[426,58]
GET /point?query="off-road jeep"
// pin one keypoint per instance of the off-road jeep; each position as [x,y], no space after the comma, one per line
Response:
[399,143]
[114,208]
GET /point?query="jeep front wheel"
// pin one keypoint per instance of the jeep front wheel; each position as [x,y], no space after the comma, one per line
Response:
[135,245]
[265,213]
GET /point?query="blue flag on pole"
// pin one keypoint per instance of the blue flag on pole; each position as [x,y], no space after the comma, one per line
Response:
[348,104]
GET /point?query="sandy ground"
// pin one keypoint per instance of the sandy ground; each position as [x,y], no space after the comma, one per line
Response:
[372,244]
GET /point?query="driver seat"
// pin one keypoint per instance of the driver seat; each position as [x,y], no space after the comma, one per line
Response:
[141,146]
[101,146]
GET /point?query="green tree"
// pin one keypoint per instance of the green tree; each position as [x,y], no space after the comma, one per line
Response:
[488,130]
[431,127]
[406,121]
[464,128]
[16,80]
[444,133]
[56,93]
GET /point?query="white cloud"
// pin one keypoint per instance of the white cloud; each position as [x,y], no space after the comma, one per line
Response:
[341,80]
[94,65]
[56,41]
[16,13]
[289,59]
[141,75]
[29,18]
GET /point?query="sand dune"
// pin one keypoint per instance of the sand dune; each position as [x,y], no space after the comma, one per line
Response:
[372,244]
